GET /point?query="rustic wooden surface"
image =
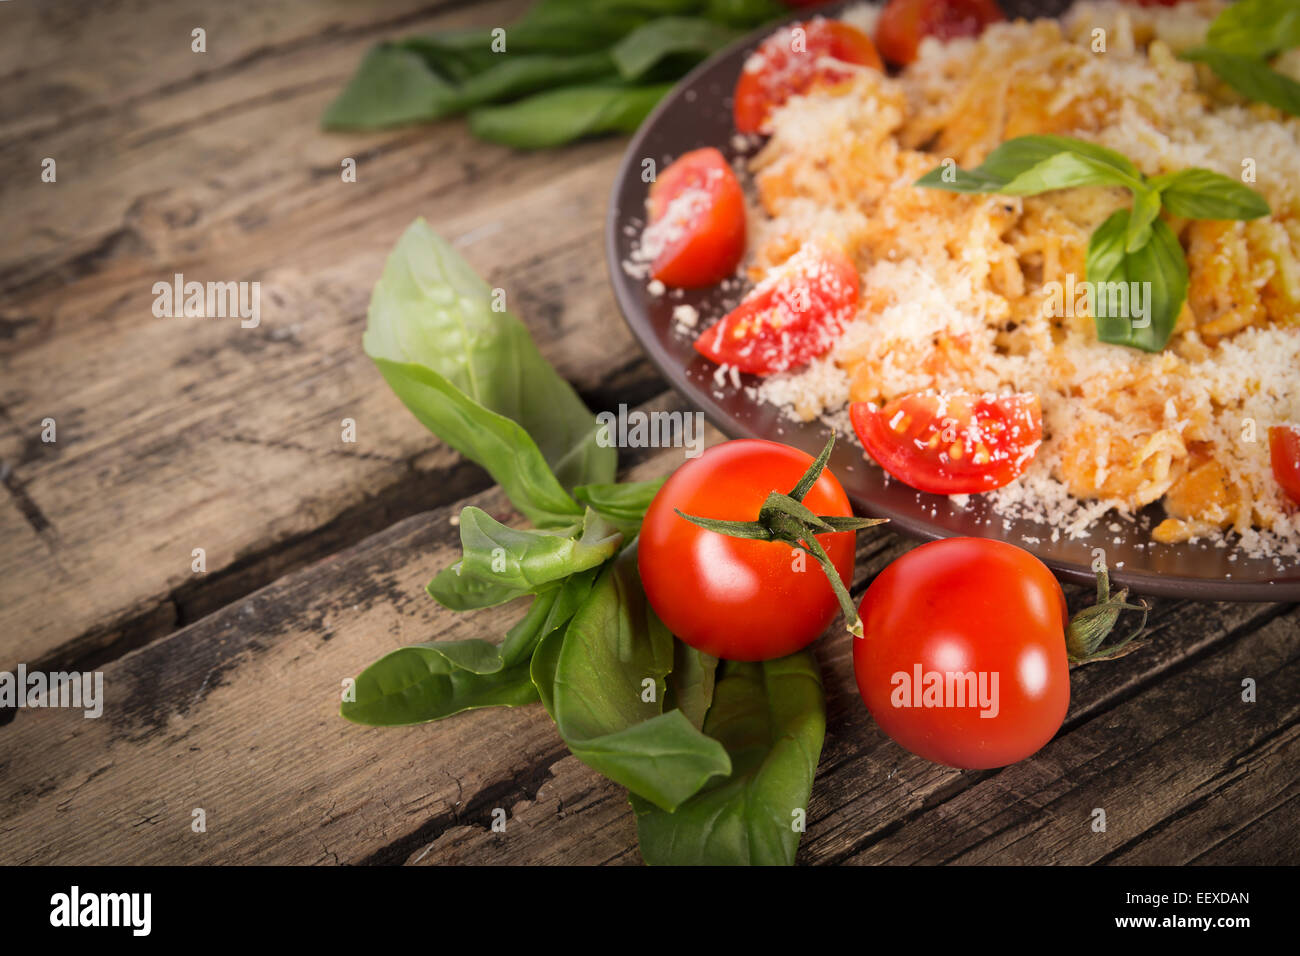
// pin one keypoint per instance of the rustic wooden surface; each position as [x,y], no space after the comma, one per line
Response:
[175,434]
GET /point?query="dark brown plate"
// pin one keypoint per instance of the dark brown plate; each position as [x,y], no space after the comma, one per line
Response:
[698,113]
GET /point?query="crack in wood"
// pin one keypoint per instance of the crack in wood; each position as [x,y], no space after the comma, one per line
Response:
[29,509]
[513,789]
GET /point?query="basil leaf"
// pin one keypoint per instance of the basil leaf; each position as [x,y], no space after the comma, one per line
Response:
[691,682]
[613,644]
[520,73]
[954,179]
[561,116]
[455,56]
[1258,28]
[474,378]
[1064,171]
[744,13]
[1202,194]
[771,717]
[623,505]
[1028,165]
[1252,78]
[1146,208]
[392,86]
[657,40]
[572,26]
[1159,262]
[500,563]
[430,681]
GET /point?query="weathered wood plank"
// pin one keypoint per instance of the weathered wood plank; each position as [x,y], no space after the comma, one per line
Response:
[237,714]
[70,62]
[207,435]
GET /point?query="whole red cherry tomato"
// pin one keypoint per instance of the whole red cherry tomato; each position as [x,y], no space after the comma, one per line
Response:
[963,657]
[736,598]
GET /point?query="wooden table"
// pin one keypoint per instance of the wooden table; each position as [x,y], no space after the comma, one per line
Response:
[175,434]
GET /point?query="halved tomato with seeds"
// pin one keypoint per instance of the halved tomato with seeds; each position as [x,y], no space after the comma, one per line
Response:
[794,60]
[696,234]
[793,315]
[952,443]
[903,24]
[1284,451]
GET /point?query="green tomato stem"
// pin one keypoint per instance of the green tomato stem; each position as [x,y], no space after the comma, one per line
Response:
[785,518]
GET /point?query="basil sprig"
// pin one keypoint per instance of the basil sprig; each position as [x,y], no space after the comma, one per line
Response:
[1240,43]
[1133,245]
[567,69]
[714,781]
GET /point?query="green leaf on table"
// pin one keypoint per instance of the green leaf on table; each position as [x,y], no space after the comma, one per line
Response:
[1154,275]
[474,377]
[392,86]
[623,504]
[519,74]
[771,717]
[561,116]
[691,682]
[660,39]
[424,682]
[499,563]
[433,680]
[745,13]
[1202,194]
[614,647]
[1252,78]
[1258,28]
[573,26]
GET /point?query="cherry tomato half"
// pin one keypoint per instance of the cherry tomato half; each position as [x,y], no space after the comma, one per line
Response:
[962,659]
[697,221]
[903,24]
[794,60]
[740,599]
[792,316]
[1284,450]
[952,443]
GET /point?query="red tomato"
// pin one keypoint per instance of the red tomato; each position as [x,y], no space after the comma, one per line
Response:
[903,24]
[789,63]
[697,221]
[793,315]
[987,613]
[1284,450]
[952,443]
[740,599]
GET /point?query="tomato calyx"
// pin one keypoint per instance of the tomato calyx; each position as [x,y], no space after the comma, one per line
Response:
[784,517]
[1090,627]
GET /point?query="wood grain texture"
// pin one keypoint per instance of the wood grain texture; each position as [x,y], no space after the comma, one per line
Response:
[176,434]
